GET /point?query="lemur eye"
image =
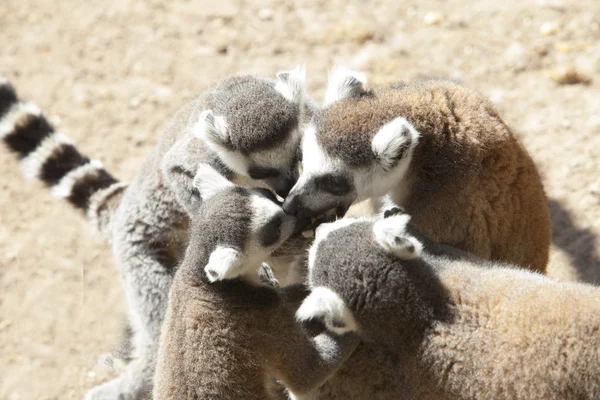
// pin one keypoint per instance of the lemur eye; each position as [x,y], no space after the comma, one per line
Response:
[262,173]
[335,185]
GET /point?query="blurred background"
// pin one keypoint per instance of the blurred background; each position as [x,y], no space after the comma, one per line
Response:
[111,73]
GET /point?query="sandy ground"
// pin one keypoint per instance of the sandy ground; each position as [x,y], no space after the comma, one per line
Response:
[111,73]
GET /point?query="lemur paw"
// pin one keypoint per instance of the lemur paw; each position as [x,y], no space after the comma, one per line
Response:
[224,263]
[391,234]
[322,303]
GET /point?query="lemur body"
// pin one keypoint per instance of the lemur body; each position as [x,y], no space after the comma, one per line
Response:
[438,149]
[246,128]
[459,327]
[229,338]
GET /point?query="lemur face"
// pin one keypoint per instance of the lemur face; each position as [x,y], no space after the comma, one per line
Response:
[350,149]
[352,264]
[254,127]
[248,224]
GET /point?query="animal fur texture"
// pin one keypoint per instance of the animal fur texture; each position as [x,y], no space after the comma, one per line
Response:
[455,326]
[229,338]
[247,128]
[438,149]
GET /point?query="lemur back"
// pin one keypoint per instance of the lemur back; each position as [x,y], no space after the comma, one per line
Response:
[438,149]
[459,327]
[226,336]
[247,128]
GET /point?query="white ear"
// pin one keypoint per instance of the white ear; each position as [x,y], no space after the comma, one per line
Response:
[213,128]
[323,303]
[343,83]
[390,234]
[291,83]
[393,142]
[209,182]
[223,263]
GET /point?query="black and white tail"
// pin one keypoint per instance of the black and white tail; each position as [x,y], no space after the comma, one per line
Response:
[51,157]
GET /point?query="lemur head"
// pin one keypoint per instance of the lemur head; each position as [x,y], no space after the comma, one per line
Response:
[352,148]
[253,125]
[358,272]
[238,227]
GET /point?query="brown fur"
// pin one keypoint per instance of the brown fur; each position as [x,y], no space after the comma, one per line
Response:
[457,327]
[471,183]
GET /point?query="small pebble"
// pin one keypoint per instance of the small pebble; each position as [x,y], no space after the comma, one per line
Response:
[55,120]
[548,28]
[135,102]
[562,47]
[569,76]
[265,14]
[432,18]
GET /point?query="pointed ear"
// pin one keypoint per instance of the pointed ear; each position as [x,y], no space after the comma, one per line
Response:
[212,128]
[209,182]
[223,263]
[324,304]
[393,142]
[344,83]
[390,233]
[291,84]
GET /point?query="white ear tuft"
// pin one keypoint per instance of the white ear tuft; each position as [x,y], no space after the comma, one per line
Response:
[291,84]
[394,141]
[390,234]
[223,263]
[213,128]
[343,83]
[209,182]
[323,303]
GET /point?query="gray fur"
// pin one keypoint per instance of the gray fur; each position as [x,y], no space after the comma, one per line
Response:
[230,339]
[458,327]
[149,228]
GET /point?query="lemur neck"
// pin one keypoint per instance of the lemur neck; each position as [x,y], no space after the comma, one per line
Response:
[400,192]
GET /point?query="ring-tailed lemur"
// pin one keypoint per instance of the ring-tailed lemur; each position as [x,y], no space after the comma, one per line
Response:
[246,127]
[224,335]
[458,327]
[436,148]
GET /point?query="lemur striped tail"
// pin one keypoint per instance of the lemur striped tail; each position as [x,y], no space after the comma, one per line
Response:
[51,157]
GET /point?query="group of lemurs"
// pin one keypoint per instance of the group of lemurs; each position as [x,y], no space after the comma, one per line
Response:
[424,279]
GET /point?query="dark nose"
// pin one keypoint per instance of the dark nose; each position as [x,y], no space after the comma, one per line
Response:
[283,192]
[291,204]
[285,188]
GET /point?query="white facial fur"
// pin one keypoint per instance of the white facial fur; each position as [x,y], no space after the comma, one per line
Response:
[343,83]
[279,157]
[323,303]
[390,233]
[209,182]
[374,180]
[213,131]
[226,262]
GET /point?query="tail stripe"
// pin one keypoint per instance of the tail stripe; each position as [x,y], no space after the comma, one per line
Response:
[84,188]
[63,160]
[8,97]
[51,157]
[33,164]
[24,128]
[100,202]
